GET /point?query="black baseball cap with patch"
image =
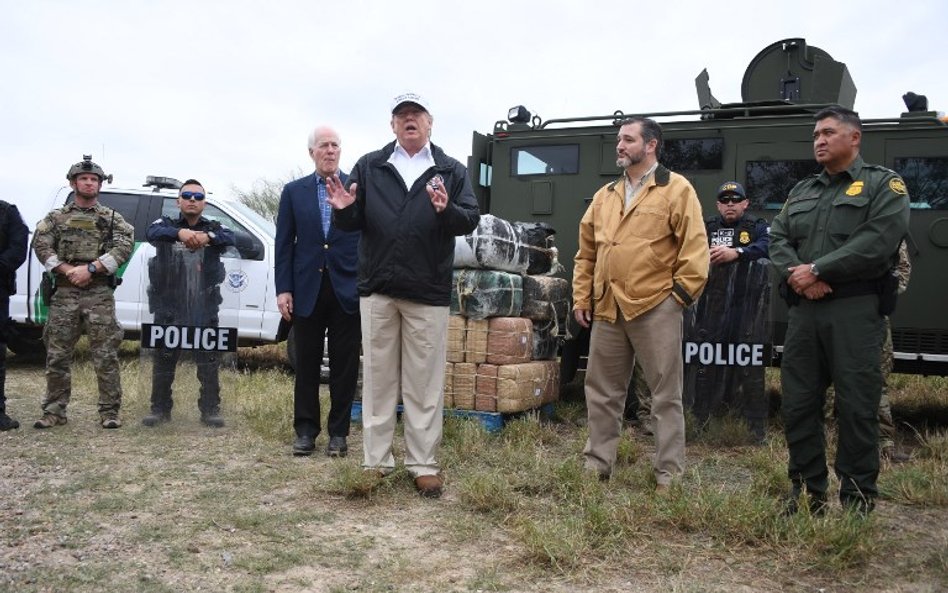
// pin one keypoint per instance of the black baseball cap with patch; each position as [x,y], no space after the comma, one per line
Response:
[731,188]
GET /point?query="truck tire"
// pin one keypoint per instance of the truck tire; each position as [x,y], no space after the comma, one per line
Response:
[27,343]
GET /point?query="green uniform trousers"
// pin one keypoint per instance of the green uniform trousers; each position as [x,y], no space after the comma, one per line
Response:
[838,341]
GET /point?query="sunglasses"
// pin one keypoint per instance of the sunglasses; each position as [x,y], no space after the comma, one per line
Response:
[192,195]
[731,199]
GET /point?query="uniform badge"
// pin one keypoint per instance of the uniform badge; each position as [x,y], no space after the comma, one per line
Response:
[744,238]
[898,186]
[855,189]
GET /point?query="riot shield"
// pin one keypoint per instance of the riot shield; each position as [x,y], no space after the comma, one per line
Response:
[727,345]
[189,334]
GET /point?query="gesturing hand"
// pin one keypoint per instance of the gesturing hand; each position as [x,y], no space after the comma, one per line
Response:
[437,193]
[337,196]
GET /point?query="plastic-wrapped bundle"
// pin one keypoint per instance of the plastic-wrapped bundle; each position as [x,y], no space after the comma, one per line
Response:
[537,238]
[464,373]
[495,245]
[545,340]
[544,298]
[509,340]
[479,294]
[526,386]
[485,388]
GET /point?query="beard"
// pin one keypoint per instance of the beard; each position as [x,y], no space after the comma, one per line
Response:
[626,161]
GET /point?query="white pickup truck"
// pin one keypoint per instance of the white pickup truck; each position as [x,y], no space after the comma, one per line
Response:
[248,292]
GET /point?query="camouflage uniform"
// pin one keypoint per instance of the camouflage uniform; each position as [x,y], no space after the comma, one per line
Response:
[78,236]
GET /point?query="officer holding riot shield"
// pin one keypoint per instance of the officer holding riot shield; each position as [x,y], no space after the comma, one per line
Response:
[185,277]
[82,245]
[731,317]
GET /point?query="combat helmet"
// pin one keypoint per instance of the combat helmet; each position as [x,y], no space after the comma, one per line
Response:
[87,166]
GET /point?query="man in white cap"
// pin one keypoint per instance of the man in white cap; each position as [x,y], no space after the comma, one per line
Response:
[410,200]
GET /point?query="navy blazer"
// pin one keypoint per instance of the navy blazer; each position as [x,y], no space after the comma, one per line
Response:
[304,254]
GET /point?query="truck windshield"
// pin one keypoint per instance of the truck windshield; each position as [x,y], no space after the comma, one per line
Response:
[265,225]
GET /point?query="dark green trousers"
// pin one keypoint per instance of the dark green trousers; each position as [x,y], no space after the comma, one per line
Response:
[838,342]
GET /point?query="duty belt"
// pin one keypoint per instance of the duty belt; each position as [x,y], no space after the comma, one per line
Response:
[844,290]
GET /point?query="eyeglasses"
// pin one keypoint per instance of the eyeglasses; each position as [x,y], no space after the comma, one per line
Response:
[192,195]
[730,199]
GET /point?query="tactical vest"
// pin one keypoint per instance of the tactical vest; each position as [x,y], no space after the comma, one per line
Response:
[82,236]
[741,235]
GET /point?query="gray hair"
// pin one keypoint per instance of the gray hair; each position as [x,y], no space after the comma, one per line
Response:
[840,114]
[319,131]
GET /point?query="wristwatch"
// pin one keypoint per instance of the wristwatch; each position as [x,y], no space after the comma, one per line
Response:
[91,267]
[740,252]
[211,235]
[813,270]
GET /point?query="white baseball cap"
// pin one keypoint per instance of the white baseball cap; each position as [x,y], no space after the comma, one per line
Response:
[410,98]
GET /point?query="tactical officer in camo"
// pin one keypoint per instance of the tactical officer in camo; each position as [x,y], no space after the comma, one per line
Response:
[83,244]
[835,244]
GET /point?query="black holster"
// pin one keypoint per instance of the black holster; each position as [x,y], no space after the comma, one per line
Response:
[48,287]
[787,294]
[888,293]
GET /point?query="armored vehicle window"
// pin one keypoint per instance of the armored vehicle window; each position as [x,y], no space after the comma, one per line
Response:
[926,180]
[769,182]
[545,160]
[698,154]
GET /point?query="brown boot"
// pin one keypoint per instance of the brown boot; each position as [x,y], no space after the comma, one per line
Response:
[49,420]
[429,486]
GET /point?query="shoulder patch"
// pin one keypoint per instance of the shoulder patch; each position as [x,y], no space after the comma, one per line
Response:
[898,186]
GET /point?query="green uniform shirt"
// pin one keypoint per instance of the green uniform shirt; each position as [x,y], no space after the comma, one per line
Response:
[848,224]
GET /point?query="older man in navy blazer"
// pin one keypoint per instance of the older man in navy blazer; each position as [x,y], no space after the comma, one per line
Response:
[316,266]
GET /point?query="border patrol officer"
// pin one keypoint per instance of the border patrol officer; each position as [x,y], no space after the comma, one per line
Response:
[83,244]
[834,244]
[13,236]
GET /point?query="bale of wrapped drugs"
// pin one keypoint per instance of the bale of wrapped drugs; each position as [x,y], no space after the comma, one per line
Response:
[545,297]
[485,388]
[457,327]
[464,377]
[475,340]
[449,385]
[479,294]
[546,340]
[509,340]
[526,386]
[495,245]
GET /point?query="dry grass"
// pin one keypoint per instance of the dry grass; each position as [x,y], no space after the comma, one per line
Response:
[183,507]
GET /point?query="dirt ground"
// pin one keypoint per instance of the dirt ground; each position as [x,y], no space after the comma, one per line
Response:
[189,508]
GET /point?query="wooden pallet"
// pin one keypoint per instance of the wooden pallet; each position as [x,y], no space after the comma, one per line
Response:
[491,421]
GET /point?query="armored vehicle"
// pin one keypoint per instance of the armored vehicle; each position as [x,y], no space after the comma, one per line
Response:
[529,169]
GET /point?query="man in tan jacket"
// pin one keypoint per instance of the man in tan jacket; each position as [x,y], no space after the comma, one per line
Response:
[643,257]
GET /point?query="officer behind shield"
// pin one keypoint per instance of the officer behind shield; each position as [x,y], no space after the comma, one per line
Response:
[185,277]
[734,236]
[82,245]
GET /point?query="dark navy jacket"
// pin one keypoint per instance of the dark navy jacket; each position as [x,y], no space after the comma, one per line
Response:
[751,235]
[304,253]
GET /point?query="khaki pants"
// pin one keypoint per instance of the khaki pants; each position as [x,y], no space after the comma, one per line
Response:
[404,352]
[655,339]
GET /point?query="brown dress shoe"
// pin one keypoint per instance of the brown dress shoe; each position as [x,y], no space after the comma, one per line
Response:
[429,486]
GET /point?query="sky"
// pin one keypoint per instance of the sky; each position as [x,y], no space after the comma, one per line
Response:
[227,92]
